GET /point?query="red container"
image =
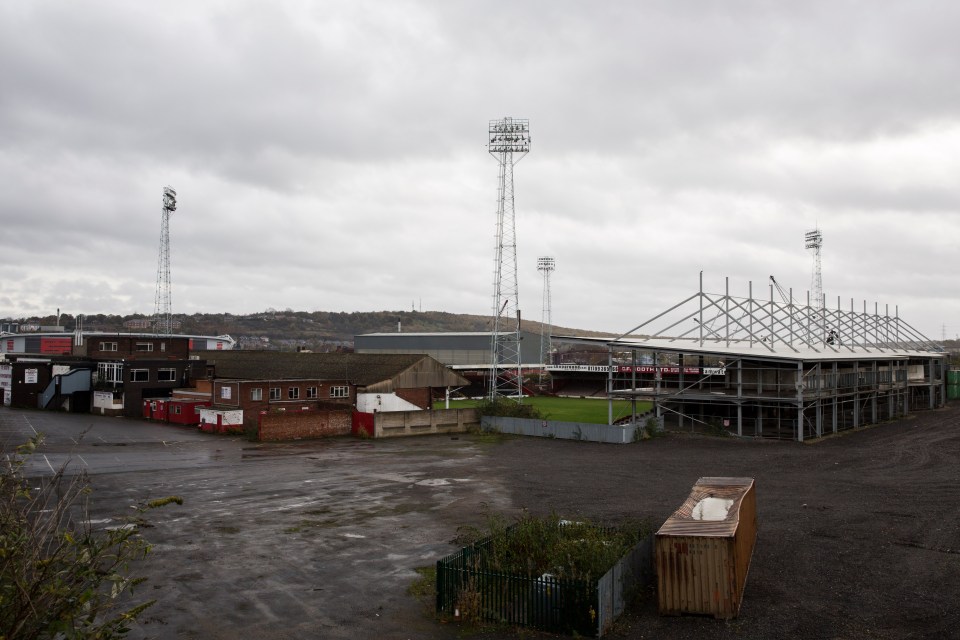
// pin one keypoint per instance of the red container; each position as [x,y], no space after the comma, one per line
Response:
[185,411]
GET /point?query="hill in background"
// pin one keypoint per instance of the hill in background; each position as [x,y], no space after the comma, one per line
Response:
[317,330]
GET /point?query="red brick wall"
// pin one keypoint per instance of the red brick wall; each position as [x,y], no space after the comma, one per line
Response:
[163,348]
[419,396]
[295,425]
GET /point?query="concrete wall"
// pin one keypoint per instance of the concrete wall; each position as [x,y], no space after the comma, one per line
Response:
[415,423]
[614,434]
[297,425]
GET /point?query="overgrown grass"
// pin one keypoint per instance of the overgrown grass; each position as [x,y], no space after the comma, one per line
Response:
[593,411]
[533,546]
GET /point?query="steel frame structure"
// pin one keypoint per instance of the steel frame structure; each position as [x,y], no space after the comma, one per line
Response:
[773,373]
[509,143]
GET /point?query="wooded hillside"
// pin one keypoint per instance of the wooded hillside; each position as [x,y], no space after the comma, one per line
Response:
[288,329]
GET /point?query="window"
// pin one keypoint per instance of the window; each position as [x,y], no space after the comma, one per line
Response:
[139,375]
[176,409]
[256,394]
[274,393]
[163,346]
[293,393]
[108,346]
[311,392]
[167,375]
[109,372]
[339,392]
[144,346]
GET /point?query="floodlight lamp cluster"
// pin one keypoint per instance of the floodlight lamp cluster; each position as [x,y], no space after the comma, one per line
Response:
[509,136]
[169,199]
[546,264]
[814,239]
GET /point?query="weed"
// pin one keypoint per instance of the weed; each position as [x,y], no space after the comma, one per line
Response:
[508,409]
[424,587]
[60,576]
[714,427]
[579,550]
[468,602]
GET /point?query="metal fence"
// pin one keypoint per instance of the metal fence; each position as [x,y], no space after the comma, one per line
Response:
[465,589]
[616,434]
[633,572]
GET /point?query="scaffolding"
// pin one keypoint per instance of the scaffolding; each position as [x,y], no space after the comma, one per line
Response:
[773,367]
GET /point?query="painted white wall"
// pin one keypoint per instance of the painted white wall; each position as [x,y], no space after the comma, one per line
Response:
[379,402]
[232,417]
[105,400]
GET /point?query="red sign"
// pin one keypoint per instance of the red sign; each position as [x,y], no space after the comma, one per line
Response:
[662,370]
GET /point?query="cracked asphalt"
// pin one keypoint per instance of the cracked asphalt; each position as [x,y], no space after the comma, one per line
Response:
[859,534]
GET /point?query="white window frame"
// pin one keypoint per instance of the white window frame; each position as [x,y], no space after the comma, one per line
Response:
[256,394]
[311,392]
[108,346]
[293,393]
[274,393]
[340,391]
[143,347]
[135,372]
[109,372]
[170,372]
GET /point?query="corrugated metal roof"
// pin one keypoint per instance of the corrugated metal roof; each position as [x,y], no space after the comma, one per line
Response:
[757,349]
[683,523]
[362,369]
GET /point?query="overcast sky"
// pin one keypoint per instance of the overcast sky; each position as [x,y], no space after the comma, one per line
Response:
[330,156]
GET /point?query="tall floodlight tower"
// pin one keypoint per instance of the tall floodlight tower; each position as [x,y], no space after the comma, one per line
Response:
[545,265]
[509,143]
[814,240]
[163,309]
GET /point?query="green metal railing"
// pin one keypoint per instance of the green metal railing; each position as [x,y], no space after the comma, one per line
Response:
[466,589]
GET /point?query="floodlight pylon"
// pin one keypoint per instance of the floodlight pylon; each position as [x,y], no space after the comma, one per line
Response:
[814,240]
[509,143]
[546,265]
[163,306]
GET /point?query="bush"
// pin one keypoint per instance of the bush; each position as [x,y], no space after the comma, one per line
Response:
[508,409]
[580,550]
[60,578]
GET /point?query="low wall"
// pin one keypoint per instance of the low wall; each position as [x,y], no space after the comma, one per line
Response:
[414,423]
[297,425]
[614,434]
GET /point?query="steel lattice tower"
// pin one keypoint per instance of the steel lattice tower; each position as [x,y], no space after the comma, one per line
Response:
[509,143]
[546,265]
[814,240]
[163,308]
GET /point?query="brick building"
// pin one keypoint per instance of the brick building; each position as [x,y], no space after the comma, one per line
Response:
[256,381]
